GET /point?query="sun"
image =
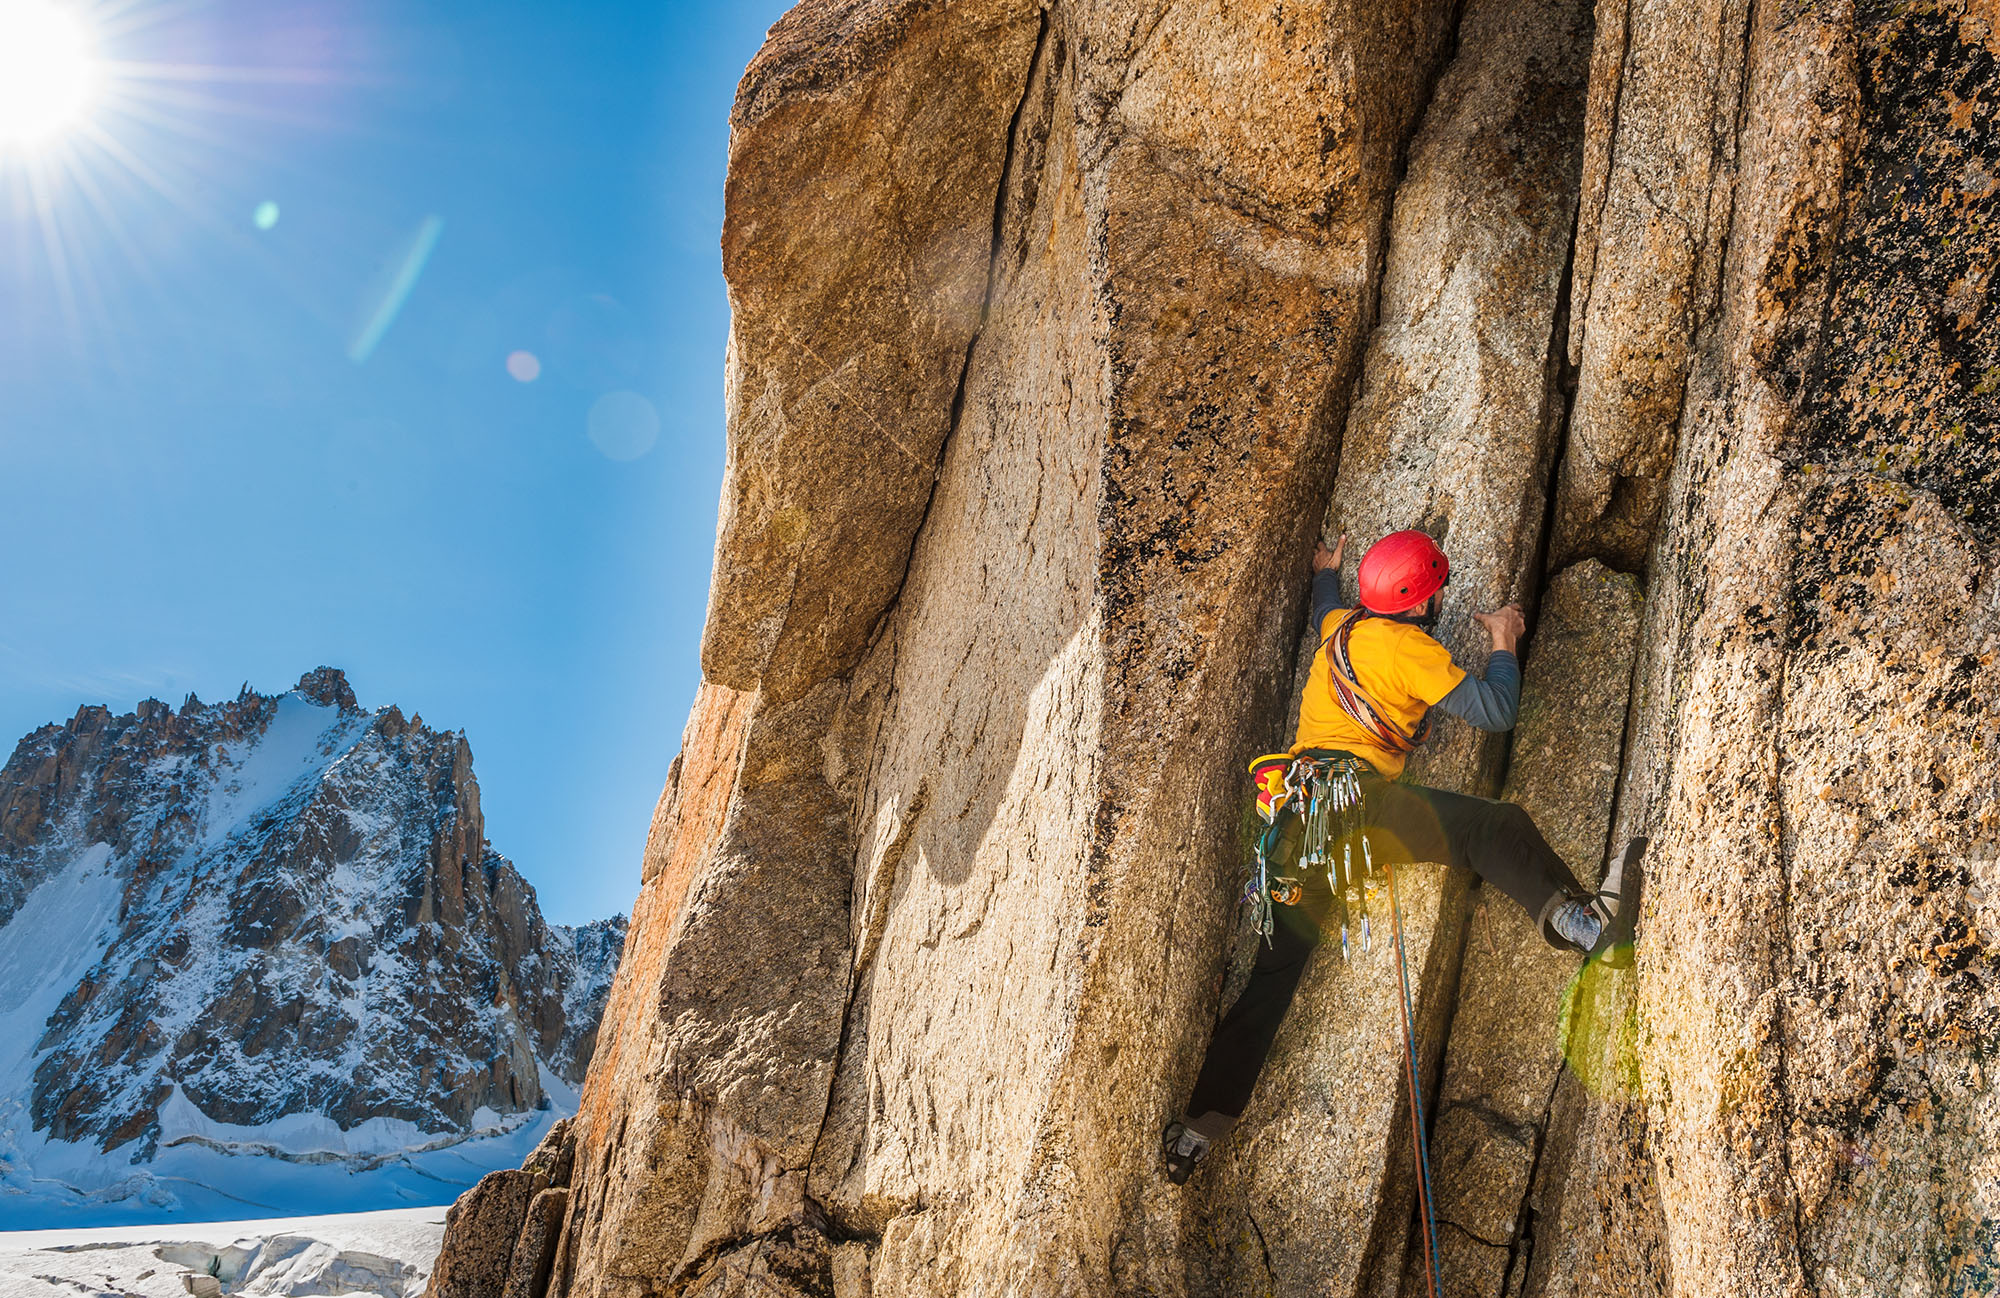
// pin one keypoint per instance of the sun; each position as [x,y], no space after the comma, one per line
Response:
[48,71]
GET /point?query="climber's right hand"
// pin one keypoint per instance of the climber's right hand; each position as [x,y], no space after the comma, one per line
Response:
[1505,625]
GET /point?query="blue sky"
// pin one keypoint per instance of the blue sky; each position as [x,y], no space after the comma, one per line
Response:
[256,408]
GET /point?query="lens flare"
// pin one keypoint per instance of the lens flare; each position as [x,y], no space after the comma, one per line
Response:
[1598,1027]
[526,367]
[396,290]
[266,215]
[48,73]
[623,425]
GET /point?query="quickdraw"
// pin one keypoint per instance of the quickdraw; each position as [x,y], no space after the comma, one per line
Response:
[1330,789]
[1324,792]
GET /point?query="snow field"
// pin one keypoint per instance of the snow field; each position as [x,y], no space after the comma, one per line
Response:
[378,1254]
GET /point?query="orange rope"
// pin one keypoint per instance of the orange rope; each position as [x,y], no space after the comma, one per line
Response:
[1417,1140]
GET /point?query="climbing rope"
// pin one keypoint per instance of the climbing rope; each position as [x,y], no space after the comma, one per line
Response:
[1354,700]
[1425,1202]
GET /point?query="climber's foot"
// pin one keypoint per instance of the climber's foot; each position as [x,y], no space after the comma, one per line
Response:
[1183,1147]
[1617,906]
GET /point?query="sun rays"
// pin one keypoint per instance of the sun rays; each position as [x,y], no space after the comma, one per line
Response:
[127,128]
[48,71]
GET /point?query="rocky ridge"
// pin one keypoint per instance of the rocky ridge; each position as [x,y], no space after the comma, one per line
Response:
[241,917]
[1058,331]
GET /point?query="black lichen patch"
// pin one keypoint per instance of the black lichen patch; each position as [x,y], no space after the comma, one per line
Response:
[1954,948]
[1842,528]
[1927,874]
[1969,1262]
[1906,382]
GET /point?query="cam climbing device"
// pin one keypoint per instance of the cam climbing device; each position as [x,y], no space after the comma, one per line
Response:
[1273,791]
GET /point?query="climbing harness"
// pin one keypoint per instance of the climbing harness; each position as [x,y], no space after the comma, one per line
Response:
[1324,791]
[1354,701]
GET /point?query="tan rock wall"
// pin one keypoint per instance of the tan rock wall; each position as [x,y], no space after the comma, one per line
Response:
[1054,331]
[1816,975]
[1666,86]
[1451,428]
[974,727]
[1457,420]
[1048,878]
[865,151]
[1517,1026]
[619,1193]
[986,840]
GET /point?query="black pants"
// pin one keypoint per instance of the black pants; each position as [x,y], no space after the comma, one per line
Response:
[1406,823]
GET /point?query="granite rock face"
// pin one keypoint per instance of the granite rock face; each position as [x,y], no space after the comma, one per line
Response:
[1817,1000]
[275,906]
[1526,1018]
[503,1235]
[935,865]
[1453,427]
[480,1233]
[533,1258]
[1059,331]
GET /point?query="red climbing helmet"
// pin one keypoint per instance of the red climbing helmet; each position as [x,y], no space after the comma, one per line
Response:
[1401,571]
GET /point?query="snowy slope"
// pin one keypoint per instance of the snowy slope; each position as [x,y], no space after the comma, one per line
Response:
[374,1253]
[269,930]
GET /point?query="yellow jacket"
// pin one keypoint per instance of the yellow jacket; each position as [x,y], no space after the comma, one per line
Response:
[1401,669]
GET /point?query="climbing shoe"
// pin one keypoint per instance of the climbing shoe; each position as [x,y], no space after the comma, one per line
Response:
[1183,1147]
[1617,906]
[1578,923]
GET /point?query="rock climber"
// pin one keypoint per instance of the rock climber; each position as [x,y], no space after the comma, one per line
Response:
[1374,678]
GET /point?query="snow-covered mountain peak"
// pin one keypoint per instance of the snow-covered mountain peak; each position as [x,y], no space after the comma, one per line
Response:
[328,687]
[277,914]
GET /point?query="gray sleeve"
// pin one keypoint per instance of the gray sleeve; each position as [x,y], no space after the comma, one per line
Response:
[1326,597]
[1490,704]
